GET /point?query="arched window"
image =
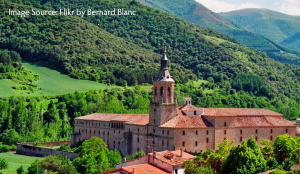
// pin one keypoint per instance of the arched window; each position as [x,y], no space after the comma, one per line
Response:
[155,91]
[161,90]
[169,91]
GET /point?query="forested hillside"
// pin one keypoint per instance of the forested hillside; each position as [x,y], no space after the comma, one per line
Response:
[80,49]
[279,27]
[189,45]
[196,13]
[125,50]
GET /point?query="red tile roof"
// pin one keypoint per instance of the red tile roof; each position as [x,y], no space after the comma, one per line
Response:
[181,121]
[262,121]
[230,111]
[140,169]
[173,157]
[138,119]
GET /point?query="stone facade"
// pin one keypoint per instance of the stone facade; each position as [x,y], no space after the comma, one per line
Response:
[169,127]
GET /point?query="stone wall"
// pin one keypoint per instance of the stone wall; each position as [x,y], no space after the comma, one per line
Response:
[30,150]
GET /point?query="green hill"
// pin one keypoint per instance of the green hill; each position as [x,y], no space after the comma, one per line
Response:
[196,13]
[201,51]
[279,27]
[51,82]
[79,48]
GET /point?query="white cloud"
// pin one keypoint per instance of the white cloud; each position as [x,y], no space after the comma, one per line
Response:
[291,7]
[221,6]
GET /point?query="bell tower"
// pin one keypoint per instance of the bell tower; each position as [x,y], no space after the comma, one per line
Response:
[163,107]
[163,83]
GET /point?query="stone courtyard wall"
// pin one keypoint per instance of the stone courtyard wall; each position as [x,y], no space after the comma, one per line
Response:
[30,150]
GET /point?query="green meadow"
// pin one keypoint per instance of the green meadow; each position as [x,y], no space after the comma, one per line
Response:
[15,161]
[51,82]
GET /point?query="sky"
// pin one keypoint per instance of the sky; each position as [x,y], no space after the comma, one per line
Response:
[291,7]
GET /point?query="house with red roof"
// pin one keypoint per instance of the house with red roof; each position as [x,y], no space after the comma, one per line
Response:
[164,162]
[172,127]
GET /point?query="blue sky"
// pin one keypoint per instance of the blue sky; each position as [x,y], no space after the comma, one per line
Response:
[291,7]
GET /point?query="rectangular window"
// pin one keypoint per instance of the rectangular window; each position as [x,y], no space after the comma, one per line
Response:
[196,143]
[207,132]
[224,124]
[286,130]
[271,138]
[138,149]
[138,139]
[153,142]
[163,132]
[167,143]
[224,132]
[162,142]
[207,140]
[255,138]
[256,131]
[183,143]
[168,132]
[195,112]
[241,131]
[183,132]
[154,131]
[196,132]
[271,131]
[241,139]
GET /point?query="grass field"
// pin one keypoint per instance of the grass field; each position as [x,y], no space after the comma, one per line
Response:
[15,161]
[52,83]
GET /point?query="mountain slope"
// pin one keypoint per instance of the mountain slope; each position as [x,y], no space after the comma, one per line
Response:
[196,13]
[276,26]
[207,53]
[79,48]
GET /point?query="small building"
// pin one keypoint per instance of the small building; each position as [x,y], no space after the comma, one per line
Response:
[156,162]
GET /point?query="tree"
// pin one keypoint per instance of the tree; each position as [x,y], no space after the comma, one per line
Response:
[245,158]
[283,146]
[266,148]
[3,164]
[94,157]
[35,168]
[20,170]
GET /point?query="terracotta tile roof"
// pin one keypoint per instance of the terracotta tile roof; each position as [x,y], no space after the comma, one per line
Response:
[181,121]
[173,157]
[185,155]
[230,111]
[262,121]
[140,169]
[138,119]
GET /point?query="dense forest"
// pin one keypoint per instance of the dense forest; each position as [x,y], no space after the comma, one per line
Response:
[188,46]
[196,13]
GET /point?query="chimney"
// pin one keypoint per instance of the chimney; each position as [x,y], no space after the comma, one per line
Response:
[133,169]
[180,152]
[154,153]
[187,100]
[298,156]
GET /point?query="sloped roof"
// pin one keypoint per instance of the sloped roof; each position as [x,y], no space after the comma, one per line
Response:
[139,169]
[231,111]
[173,157]
[181,121]
[138,119]
[262,121]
